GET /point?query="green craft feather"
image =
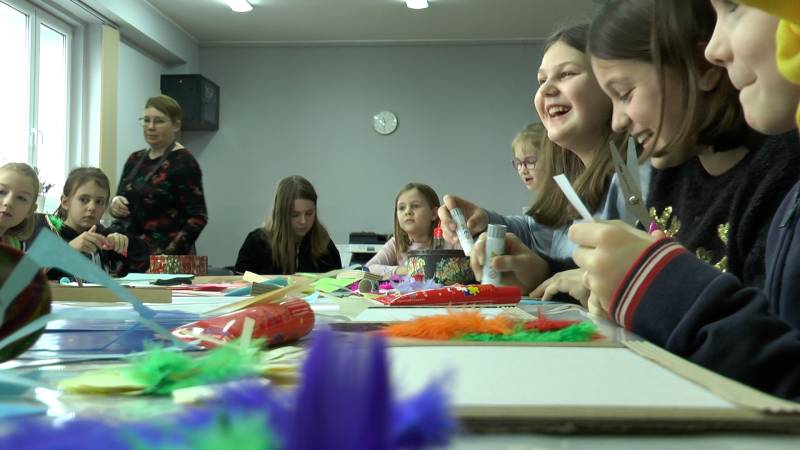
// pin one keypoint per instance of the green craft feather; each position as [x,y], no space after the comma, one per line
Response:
[162,371]
[578,332]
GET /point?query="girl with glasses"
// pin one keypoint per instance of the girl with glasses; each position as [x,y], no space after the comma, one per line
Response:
[527,150]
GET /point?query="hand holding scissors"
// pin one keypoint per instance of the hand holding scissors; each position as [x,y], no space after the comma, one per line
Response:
[630,183]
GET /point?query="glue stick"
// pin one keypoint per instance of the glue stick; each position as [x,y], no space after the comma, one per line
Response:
[495,245]
[464,238]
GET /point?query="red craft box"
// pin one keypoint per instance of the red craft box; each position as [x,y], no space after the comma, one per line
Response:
[189,264]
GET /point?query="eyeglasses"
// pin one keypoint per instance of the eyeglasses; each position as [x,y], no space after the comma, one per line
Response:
[154,121]
[528,163]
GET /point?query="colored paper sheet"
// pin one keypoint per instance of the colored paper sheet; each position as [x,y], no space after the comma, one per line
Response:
[48,250]
[329,285]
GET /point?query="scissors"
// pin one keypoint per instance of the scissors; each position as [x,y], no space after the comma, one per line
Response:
[630,183]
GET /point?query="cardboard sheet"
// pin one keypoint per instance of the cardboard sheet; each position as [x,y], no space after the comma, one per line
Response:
[571,388]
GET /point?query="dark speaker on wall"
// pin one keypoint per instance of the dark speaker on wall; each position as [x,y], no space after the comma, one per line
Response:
[198,97]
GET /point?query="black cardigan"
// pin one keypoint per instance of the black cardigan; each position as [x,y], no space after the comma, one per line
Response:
[743,199]
[256,256]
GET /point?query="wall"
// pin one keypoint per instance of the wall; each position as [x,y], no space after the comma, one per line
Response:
[139,79]
[308,111]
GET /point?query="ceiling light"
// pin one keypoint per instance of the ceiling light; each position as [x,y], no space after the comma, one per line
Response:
[239,5]
[417,4]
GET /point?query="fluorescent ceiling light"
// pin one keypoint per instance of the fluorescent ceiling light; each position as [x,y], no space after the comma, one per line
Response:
[417,4]
[239,5]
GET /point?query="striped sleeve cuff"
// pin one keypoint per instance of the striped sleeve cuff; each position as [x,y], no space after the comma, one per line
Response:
[639,278]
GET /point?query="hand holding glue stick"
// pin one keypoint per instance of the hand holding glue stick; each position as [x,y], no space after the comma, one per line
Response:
[464,236]
[495,245]
[476,219]
[517,265]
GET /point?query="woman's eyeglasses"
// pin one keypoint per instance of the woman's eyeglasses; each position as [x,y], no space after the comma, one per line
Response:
[528,163]
[154,121]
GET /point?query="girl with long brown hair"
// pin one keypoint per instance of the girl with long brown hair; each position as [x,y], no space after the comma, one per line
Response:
[414,220]
[293,238]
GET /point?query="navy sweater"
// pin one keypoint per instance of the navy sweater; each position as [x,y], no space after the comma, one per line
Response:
[724,219]
[676,301]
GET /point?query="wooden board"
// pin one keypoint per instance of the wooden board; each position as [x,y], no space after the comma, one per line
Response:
[101,294]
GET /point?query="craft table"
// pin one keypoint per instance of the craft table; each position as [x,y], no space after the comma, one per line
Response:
[35,365]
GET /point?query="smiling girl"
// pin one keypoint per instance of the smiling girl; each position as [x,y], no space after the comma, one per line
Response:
[716,187]
[656,288]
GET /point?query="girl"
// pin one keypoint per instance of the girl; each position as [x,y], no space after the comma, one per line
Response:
[293,239]
[414,220]
[716,188]
[527,148]
[160,194]
[77,220]
[577,116]
[19,186]
[656,288]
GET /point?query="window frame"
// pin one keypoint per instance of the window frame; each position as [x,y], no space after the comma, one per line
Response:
[73,31]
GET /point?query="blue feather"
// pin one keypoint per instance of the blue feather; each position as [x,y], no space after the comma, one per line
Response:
[423,420]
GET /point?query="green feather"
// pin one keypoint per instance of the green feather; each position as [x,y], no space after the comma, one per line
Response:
[578,332]
[162,371]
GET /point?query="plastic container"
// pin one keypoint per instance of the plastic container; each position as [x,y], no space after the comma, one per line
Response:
[443,266]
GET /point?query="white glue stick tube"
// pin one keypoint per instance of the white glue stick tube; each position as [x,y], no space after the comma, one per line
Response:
[495,246]
[464,238]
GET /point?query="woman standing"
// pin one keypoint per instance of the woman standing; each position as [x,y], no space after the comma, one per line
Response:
[160,194]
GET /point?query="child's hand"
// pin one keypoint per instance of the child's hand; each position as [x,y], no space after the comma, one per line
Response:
[606,251]
[477,218]
[117,242]
[569,281]
[119,207]
[88,241]
[519,265]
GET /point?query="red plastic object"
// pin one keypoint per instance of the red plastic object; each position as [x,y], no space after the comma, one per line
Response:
[473,294]
[276,323]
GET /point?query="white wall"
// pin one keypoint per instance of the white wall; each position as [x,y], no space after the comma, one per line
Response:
[139,79]
[308,111]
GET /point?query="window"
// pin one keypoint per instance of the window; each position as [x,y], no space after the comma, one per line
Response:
[35,47]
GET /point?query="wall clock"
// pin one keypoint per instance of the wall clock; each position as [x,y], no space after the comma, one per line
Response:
[384,122]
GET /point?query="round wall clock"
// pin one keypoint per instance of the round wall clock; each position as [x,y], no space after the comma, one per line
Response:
[384,122]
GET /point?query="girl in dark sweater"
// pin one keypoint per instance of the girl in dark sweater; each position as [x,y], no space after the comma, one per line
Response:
[656,288]
[715,186]
[293,239]
[77,221]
